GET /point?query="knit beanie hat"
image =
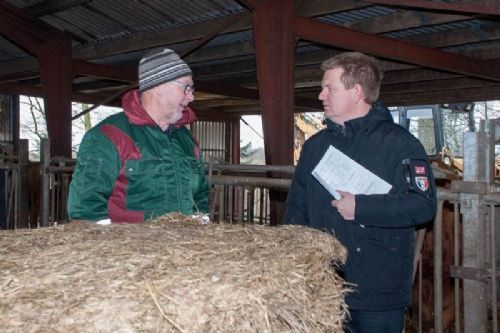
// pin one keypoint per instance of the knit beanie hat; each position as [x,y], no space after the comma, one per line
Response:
[160,66]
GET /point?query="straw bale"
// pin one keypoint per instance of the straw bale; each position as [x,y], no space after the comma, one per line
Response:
[170,275]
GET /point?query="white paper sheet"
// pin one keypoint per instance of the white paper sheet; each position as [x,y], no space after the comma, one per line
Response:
[337,171]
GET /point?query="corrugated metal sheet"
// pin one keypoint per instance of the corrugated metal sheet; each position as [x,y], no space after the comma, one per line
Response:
[435,28]
[103,20]
[212,138]
[230,38]
[10,51]
[23,3]
[356,15]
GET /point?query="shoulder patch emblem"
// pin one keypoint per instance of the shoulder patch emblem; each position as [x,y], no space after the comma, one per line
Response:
[419,170]
[422,183]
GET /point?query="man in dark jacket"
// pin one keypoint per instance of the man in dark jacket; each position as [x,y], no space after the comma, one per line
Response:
[143,162]
[377,229]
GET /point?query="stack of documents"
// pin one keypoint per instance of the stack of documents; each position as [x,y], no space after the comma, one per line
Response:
[337,171]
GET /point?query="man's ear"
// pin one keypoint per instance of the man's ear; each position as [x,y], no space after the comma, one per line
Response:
[358,93]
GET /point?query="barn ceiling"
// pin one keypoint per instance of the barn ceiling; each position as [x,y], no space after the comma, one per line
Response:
[430,51]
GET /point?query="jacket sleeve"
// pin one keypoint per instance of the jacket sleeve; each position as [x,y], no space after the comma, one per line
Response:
[296,206]
[96,170]
[404,205]
[201,194]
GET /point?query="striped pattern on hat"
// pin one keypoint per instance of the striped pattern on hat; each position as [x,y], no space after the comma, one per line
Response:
[161,66]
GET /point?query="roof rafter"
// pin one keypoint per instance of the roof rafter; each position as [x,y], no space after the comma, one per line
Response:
[465,7]
[337,36]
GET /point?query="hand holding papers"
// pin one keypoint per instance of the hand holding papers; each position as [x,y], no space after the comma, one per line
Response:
[337,171]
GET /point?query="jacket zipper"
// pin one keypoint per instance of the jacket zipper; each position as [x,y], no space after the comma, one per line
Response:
[172,153]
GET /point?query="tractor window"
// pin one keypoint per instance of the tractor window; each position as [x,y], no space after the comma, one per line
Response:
[395,116]
[421,125]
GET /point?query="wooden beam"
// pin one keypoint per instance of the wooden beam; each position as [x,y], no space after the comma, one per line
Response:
[36,91]
[477,33]
[56,77]
[443,96]
[30,34]
[274,40]
[435,85]
[117,73]
[392,49]
[251,4]
[464,7]
[48,7]
[418,74]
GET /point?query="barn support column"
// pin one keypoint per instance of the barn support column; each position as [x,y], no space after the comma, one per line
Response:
[274,40]
[474,233]
[56,76]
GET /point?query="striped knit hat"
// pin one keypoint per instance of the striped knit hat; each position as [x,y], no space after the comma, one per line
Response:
[160,66]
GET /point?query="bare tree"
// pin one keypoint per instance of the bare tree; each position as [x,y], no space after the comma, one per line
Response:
[34,123]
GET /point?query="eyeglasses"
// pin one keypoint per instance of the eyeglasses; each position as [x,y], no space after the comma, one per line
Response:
[188,88]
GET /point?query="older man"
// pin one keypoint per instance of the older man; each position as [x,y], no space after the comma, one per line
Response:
[143,162]
[377,229]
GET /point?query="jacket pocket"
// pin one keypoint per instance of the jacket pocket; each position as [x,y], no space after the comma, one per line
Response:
[147,182]
[376,266]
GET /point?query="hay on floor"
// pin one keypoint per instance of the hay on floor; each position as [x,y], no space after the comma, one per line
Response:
[170,275]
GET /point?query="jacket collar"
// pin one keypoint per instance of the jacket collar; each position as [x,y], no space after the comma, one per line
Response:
[378,113]
[137,115]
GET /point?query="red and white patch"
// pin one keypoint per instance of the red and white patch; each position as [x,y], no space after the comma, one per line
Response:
[422,183]
[420,170]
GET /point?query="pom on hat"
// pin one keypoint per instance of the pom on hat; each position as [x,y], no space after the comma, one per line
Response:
[160,66]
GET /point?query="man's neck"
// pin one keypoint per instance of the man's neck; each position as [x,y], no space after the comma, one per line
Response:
[156,113]
[360,111]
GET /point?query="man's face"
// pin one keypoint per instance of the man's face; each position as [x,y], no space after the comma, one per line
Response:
[338,103]
[174,97]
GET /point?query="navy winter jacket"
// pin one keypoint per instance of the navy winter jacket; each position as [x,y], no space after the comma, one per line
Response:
[380,241]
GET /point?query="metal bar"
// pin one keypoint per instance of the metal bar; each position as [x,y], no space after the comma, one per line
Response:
[250,204]
[52,199]
[239,191]
[23,184]
[230,203]
[213,202]
[64,199]
[445,195]
[275,183]
[254,168]
[418,250]
[262,194]
[438,269]
[44,163]
[10,195]
[493,270]
[420,294]
[16,199]
[221,202]
[456,262]
[60,169]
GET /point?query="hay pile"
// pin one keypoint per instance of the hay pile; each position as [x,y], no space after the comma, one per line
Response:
[170,275]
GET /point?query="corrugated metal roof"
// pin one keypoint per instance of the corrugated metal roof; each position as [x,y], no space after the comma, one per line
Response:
[10,51]
[102,20]
[23,3]
[230,38]
[356,14]
[434,28]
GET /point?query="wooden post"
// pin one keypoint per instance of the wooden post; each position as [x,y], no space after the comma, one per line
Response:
[274,39]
